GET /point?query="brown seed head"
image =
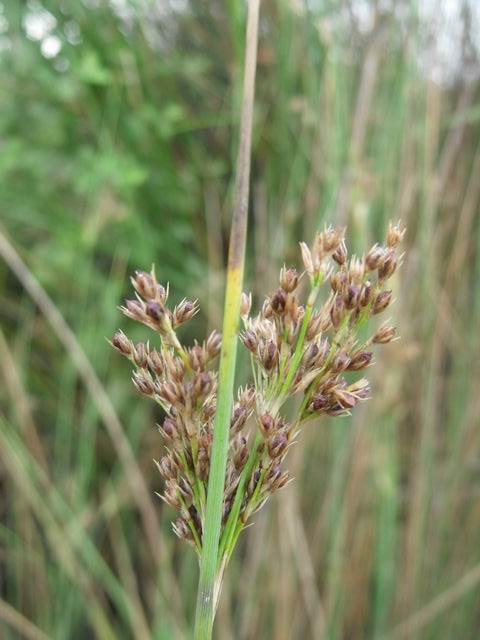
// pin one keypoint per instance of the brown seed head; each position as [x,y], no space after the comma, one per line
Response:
[382,301]
[185,490]
[239,418]
[144,284]
[340,362]
[323,353]
[134,309]
[277,445]
[171,495]
[197,357]
[140,355]
[209,407]
[292,308]
[307,259]
[360,389]
[182,530]
[278,301]
[240,453]
[144,383]
[360,360]
[267,311]
[340,255]
[337,312]
[336,410]
[203,458]
[203,384]
[273,474]
[329,384]
[266,424]
[331,240]
[249,339]
[270,355]
[310,355]
[161,293]
[187,390]
[384,334]
[366,294]
[356,270]
[122,344]
[345,398]
[395,234]
[282,481]
[155,362]
[339,281]
[167,467]
[351,296]
[168,429]
[174,367]
[171,392]
[314,327]
[245,304]
[319,402]
[387,265]
[155,310]
[373,257]
[185,310]
[288,279]
[246,397]
[213,344]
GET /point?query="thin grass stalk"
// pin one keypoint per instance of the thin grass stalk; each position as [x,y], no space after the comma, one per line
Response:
[210,577]
[17,621]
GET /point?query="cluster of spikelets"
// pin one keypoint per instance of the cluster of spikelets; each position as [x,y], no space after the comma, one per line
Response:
[303,350]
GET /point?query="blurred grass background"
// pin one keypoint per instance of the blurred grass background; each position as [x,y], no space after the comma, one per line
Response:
[117,138]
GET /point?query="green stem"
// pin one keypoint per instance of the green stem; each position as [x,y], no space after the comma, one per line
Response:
[239,495]
[241,522]
[209,578]
[297,356]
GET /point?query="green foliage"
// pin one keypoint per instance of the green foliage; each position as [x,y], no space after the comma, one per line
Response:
[117,152]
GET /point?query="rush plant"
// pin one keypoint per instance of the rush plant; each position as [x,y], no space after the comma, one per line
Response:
[224,451]
[309,350]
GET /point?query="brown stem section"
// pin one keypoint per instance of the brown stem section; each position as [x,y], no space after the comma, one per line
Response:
[238,233]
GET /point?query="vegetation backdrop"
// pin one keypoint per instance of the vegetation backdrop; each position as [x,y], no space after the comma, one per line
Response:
[118,131]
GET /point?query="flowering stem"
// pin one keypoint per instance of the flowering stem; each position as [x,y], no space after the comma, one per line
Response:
[209,577]
[297,356]
[226,545]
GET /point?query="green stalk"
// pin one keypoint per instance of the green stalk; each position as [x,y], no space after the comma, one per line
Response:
[209,582]
[297,356]
[231,524]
